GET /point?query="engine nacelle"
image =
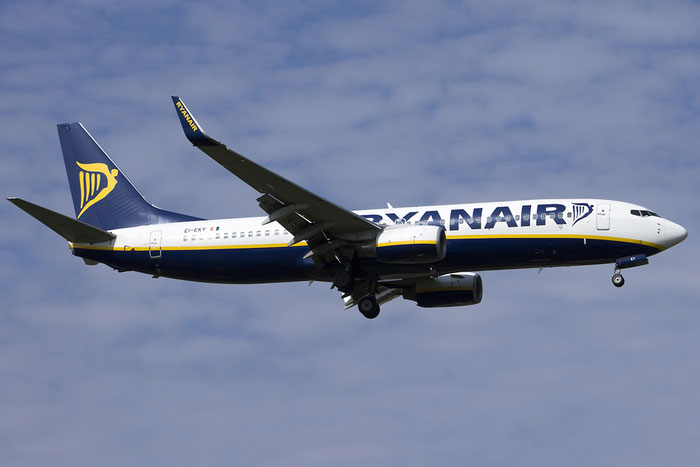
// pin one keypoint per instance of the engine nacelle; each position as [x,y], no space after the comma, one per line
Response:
[411,244]
[449,290]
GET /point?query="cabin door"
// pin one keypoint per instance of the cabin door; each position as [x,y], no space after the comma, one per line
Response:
[603,217]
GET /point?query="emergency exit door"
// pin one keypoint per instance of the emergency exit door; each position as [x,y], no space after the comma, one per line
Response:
[154,244]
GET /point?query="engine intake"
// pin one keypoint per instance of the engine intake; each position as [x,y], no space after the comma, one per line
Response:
[411,244]
[449,290]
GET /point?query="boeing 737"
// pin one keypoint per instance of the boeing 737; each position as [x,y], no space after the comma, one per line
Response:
[428,254]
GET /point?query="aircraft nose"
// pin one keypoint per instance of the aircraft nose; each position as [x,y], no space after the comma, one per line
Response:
[675,233]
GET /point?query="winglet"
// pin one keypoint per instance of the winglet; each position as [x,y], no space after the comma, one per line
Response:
[193,130]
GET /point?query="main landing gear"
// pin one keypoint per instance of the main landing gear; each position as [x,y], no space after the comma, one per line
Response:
[369,307]
[344,281]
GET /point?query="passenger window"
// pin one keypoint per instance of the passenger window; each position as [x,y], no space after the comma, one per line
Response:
[560,215]
[277,232]
[568,214]
[267,233]
[517,217]
[194,238]
[233,234]
[534,216]
[217,236]
[250,233]
[543,216]
[184,239]
[508,218]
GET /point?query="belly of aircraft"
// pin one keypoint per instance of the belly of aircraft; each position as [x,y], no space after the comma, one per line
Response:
[257,265]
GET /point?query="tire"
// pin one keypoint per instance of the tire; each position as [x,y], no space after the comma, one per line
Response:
[369,307]
[618,280]
[344,281]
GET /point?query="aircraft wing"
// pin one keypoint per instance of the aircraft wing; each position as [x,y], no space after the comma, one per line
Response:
[325,226]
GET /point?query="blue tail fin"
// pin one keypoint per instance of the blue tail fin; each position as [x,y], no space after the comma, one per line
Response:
[102,194]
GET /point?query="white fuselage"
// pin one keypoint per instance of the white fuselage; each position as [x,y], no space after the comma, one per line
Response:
[514,234]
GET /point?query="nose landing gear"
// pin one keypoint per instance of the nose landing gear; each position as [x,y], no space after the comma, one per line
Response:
[627,262]
[617,279]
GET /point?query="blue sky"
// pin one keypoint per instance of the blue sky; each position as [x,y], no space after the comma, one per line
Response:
[363,102]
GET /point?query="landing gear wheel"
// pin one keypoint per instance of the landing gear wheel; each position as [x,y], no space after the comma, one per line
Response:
[344,281]
[618,280]
[369,307]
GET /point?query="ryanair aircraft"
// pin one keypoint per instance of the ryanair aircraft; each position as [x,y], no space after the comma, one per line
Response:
[420,253]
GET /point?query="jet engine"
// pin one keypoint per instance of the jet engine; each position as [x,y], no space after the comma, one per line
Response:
[449,290]
[411,244]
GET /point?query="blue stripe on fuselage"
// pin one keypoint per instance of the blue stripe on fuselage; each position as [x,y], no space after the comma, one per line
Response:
[259,265]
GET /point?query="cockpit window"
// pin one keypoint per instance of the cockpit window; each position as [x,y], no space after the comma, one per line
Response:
[643,213]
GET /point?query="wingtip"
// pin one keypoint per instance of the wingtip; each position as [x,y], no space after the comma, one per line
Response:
[193,130]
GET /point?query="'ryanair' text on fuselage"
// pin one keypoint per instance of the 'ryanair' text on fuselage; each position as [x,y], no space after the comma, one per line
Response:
[476,219]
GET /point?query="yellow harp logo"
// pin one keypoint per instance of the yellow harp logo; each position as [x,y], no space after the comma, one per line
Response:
[92,187]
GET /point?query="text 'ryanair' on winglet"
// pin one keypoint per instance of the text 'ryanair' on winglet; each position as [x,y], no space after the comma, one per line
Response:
[193,131]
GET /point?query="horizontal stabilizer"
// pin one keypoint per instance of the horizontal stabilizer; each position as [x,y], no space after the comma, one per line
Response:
[72,230]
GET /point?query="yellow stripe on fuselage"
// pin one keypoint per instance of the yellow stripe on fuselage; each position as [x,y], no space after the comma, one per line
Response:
[455,237]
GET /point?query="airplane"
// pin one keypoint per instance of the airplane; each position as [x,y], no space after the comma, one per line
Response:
[427,254]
